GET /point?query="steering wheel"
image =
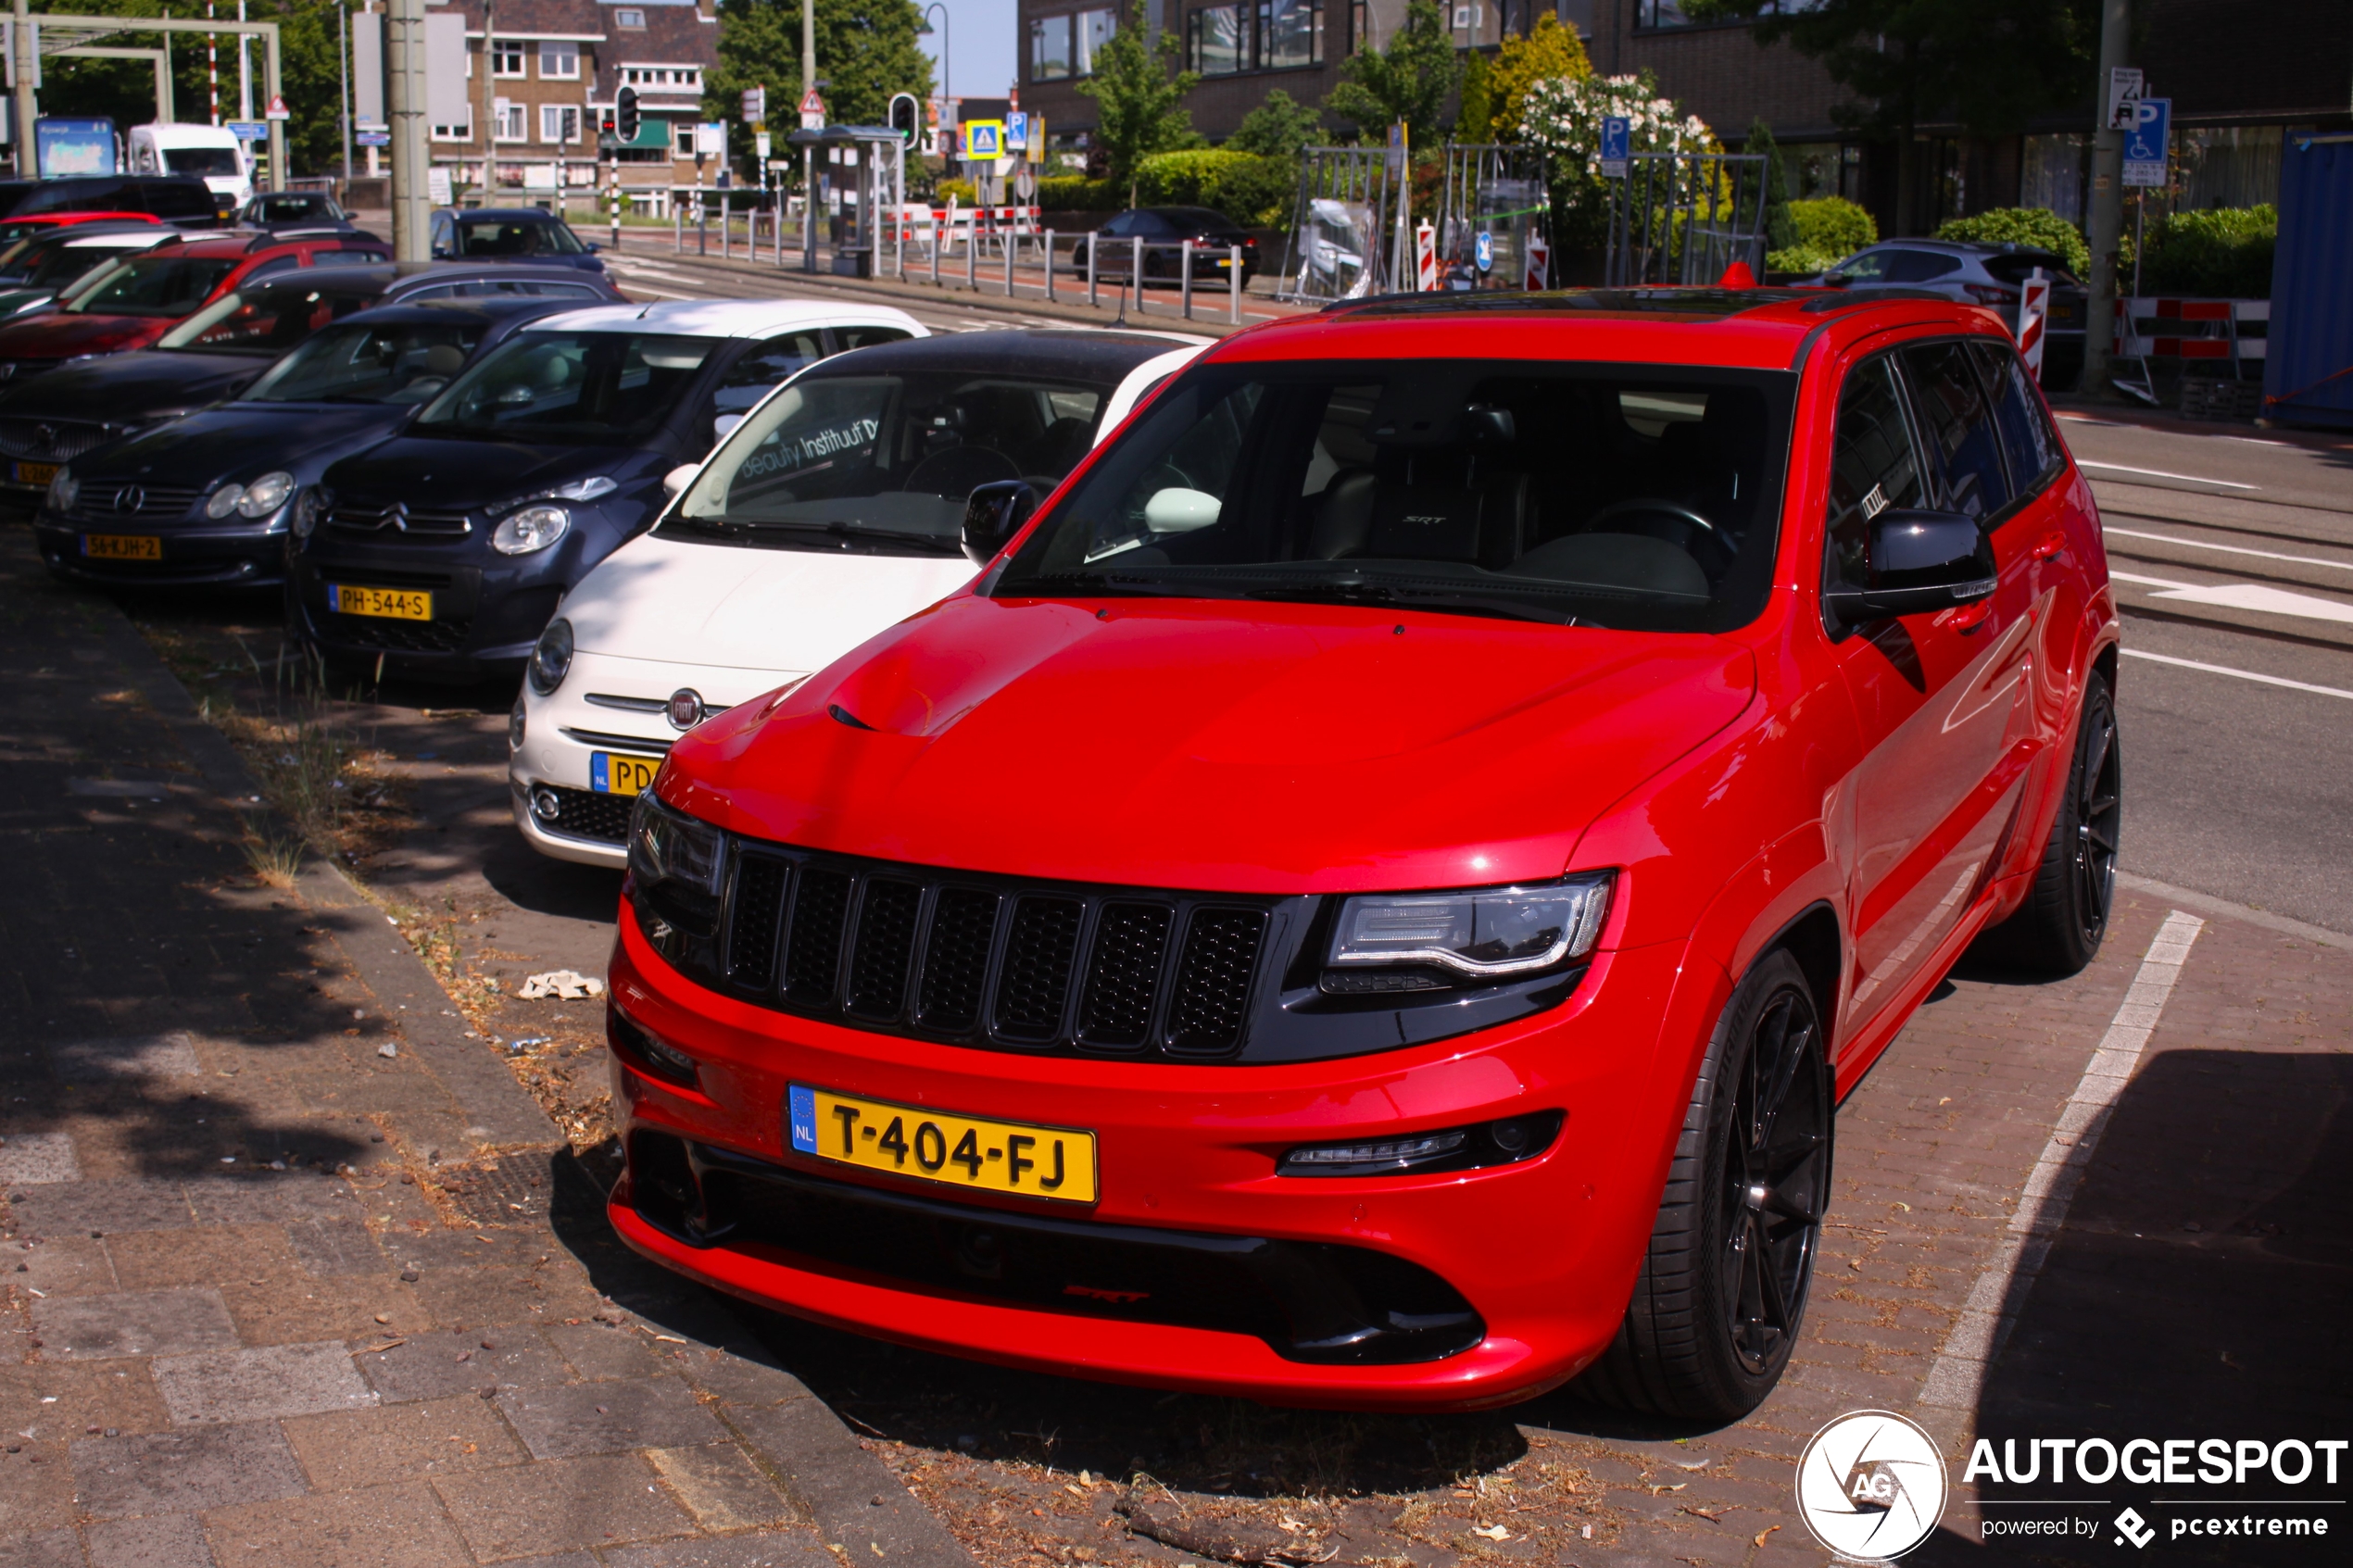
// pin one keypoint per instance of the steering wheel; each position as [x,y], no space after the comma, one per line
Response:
[1656,506]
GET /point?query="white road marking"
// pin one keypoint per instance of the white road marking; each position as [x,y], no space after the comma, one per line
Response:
[2160,474]
[2242,596]
[2227,549]
[2242,674]
[2001,1290]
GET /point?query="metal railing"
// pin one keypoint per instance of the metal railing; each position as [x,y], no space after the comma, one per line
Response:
[1339,233]
[1683,217]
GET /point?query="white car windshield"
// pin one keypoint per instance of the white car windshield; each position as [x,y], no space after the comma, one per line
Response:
[884,462]
[571,388]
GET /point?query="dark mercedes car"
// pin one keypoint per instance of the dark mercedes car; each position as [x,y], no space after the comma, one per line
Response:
[1164,230]
[204,498]
[517,234]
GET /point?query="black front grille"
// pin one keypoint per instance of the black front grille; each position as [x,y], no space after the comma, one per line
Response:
[582,813]
[1319,1302]
[988,960]
[52,441]
[394,522]
[105,501]
[389,635]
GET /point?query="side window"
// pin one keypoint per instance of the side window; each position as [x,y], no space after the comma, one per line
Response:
[1920,266]
[1122,225]
[1873,465]
[274,266]
[847,338]
[2026,432]
[1957,422]
[769,361]
[1868,268]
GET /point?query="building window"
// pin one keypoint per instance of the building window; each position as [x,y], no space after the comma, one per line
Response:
[1094,31]
[683,131]
[509,121]
[505,56]
[663,76]
[462,131]
[1267,35]
[560,61]
[1049,58]
[559,123]
[1360,24]
[629,18]
[1674,13]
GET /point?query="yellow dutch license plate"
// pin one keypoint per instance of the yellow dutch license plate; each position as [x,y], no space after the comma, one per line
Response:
[32,473]
[390,604]
[939,1145]
[611,773]
[121,546]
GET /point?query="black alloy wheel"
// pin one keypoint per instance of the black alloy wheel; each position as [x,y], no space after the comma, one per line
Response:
[2059,927]
[1721,1292]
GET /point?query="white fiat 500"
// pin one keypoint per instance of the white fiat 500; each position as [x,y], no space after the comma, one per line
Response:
[831,512]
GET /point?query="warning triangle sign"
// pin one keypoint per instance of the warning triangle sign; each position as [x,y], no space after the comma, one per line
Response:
[811,103]
[278,109]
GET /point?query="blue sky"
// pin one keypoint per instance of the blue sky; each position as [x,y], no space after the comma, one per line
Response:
[987,47]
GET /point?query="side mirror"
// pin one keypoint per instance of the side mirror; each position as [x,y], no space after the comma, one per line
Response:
[677,479]
[1837,280]
[993,514]
[594,245]
[1916,564]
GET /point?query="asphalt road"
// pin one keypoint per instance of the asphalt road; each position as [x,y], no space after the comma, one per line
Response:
[2233,556]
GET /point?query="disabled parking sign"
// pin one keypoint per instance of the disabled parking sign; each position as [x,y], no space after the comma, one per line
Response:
[1618,138]
[2146,143]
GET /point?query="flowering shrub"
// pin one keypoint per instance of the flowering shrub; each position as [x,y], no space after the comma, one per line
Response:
[1563,117]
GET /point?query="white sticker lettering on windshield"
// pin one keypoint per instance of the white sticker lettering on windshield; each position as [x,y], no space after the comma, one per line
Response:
[811,450]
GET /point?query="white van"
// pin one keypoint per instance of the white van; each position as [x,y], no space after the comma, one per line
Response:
[212,151]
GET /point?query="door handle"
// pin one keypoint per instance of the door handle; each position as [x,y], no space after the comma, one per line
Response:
[1966,619]
[2051,544]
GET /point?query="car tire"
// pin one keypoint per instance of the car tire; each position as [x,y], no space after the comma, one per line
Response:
[2059,929]
[1721,1292]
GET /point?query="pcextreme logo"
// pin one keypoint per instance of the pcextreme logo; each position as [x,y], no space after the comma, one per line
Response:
[1870,1486]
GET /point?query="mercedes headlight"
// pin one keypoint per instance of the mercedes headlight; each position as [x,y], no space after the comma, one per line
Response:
[64,490]
[532,529]
[265,494]
[675,864]
[1433,941]
[224,501]
[310,506]
[550,657]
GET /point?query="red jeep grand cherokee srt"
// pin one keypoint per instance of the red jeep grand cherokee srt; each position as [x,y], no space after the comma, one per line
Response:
[1372,897]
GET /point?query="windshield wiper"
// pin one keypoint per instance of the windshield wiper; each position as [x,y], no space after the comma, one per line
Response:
[1361,591]
[945,543]
[1105,585]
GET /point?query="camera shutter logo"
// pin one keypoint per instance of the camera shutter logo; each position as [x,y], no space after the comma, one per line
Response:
[1871,1486]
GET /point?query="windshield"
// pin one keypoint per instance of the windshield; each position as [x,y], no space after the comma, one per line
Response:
[278,208]
[54,265]
[267,320]
[510,237]
[570,388]
[357,363]
[1637,496]
[201,161]
[168,286]
[884,462]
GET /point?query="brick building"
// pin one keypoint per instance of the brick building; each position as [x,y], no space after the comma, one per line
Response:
[553,69]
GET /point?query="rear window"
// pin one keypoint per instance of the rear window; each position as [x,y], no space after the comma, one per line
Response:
[269,321]
[169,286]
[1609,495]
[176,198]
[2018,268]
[513,237]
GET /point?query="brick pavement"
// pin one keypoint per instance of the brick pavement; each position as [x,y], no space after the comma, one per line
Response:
[291,1271]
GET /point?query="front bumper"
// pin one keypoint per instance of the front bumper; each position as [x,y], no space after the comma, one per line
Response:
[188,555]
[485,620]
[1542,1254]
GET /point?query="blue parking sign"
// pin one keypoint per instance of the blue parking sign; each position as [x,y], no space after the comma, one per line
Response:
[1617,137]
[2146,143]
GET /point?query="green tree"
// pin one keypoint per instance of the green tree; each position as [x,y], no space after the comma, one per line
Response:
[1990,64]
[1139,97]
[1279,127]
[1477,115]
[1549,53]
[1409,79]
[866,51]
[1781,231]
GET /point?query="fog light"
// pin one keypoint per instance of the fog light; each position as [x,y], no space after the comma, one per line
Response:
[546,805]
[1507,1142]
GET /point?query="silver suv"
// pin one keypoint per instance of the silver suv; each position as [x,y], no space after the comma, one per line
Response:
[1978,274]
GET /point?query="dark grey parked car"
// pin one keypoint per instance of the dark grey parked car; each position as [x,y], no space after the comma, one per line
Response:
[1978,274]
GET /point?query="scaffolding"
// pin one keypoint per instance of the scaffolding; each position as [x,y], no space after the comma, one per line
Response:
[1339,233]
[1495,191]
[1683,217]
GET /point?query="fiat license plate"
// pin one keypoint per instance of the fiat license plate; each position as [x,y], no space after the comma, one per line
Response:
[121,546]
[611,773]
[940,1145]
[390,604]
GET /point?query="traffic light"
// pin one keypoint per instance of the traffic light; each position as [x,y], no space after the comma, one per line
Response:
[903,116]
[626,115]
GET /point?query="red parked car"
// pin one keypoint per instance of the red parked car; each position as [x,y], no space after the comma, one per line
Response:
[148,292]
[1372,897]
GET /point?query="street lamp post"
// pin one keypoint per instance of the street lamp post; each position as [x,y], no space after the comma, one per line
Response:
[947,92]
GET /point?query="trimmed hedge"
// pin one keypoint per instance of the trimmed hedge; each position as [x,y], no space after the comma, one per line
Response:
[1830,226]
[2221,254]
[2023,226]
[1075,193]
[1254,191]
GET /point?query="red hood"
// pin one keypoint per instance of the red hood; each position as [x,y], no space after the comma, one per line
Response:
[61,335]
[1270,749]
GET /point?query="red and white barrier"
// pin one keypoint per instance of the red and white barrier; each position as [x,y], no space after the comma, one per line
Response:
[1540,259]
[2033,316]
[2191,329]
[1425,256]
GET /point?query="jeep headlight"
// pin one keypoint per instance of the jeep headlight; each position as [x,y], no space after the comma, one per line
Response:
[530,530]
[675,864]
[266,494]
[1432,941]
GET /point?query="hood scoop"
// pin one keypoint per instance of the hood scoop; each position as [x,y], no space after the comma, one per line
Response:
[841,715]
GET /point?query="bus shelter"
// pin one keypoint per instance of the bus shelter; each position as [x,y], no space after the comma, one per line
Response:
[866,166]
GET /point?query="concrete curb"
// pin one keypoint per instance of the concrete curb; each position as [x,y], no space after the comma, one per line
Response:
[2285,925]
[852,1497]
